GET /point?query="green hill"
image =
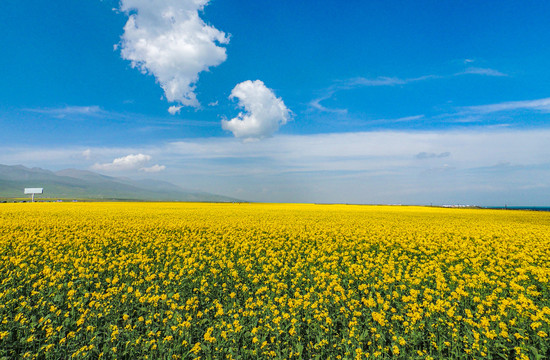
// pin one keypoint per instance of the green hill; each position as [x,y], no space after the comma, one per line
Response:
[81,184]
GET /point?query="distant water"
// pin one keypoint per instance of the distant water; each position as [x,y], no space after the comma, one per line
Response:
[532,208]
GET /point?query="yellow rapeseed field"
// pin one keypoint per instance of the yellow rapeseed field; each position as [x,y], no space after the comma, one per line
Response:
[246,281]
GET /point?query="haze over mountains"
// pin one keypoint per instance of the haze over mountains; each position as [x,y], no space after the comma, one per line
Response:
[82,184]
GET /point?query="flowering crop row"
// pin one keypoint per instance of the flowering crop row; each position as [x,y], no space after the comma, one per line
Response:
[244,281]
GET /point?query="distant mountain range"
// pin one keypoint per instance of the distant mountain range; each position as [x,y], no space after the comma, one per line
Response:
[81,184]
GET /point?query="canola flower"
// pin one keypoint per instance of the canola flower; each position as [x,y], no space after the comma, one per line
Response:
[272,281]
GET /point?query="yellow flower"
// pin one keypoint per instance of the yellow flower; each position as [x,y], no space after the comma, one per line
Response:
[395,350]
[355,276]
[196,348]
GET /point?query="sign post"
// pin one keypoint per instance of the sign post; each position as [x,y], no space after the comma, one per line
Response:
[33,191]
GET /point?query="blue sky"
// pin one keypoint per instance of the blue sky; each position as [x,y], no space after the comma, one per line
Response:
[316,101]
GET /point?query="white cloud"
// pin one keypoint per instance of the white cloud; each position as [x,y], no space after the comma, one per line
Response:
[424,155]
[379,167]
[538,104]
[316,104]
[360,82]
[87,154]
[439,166]
[168,39]
[125,163]
[174,109]
[372,150]
[264,112]
[153,169]
[379,81]
[63,112]
[482,71]
[396,120]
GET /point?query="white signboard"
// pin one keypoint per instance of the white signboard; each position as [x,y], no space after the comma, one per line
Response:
[34,190]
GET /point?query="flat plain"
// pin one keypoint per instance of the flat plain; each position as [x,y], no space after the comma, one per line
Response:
[244,281]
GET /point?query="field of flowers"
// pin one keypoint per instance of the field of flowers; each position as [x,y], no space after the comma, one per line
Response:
[246,281]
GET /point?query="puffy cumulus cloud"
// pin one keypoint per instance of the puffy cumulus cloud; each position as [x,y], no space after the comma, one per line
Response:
[174,109]
[129,162]
[264,112]
[168,39]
